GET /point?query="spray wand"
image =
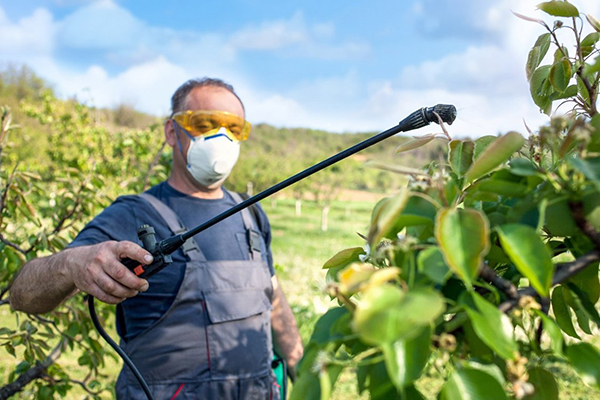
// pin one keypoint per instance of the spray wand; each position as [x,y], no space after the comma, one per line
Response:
[161,251]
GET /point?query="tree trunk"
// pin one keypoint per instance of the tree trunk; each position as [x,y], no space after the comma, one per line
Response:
[298,207]
[324,214]
[273,202]
[249,189]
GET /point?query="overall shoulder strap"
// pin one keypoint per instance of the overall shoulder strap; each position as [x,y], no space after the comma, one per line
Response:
[190,248]
[253,232]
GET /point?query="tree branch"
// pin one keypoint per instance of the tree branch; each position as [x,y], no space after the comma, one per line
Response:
[152,164]
[563,272]
[32,373]
[586,227]
[504,285]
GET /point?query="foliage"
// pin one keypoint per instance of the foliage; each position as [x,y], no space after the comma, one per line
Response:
[43,204]
[484,261]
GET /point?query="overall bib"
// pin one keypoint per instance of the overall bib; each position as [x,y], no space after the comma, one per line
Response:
[214,342]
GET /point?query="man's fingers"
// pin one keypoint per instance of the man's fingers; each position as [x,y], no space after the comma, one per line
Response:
[101,295]
[125,277]
[126,249]
[111,287]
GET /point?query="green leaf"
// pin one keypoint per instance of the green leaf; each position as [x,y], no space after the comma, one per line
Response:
[344,258]
[560,75]
[460,155]
[539,89]
[569,92]
[585,359]
[481,144]
[562,313]
[308,384]
[590,39]
[491,325]
[554,333]
[322,331]
[590,69]
[385,219]
[589,167]
[537,53]
[530,255]
[386,314]
[494,155]
[415,143]
[405,359]
[463,237]
[593,22]
[522,167]
[491,369]
[375,379]
[430,262]
[544,384]
[472,384]
[559,8]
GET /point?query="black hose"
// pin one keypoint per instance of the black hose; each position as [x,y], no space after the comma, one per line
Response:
[119,350]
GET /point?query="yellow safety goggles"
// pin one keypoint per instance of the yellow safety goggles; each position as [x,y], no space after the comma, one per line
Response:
[201,122]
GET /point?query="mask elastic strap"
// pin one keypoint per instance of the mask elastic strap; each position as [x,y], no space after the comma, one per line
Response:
[179,143]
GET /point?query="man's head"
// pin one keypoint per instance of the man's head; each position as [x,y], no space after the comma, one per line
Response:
[204,160]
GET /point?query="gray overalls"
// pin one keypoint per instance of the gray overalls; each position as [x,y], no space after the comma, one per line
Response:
[214,342]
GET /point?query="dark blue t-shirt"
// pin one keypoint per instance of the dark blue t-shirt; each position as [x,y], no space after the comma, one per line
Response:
[226,240]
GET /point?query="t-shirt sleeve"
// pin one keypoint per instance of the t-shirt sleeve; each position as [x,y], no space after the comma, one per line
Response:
[265,229]
[116,222]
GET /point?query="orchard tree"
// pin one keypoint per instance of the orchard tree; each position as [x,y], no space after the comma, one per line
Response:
[487,261]
[44,202]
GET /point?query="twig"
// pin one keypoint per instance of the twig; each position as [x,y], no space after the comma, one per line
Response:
[504,285]
[13,245]
[586,227]
[32,373]
[563,272]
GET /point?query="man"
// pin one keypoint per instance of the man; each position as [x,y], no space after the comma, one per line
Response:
[202,326]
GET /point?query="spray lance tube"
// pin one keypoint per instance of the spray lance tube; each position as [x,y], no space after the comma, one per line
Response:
[161,251]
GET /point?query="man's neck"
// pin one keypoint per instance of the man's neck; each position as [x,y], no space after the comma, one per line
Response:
[185,185]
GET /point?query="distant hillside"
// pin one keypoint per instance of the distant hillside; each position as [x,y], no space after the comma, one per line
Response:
[269,156]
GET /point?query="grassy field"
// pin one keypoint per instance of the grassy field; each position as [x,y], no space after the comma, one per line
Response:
[300,248]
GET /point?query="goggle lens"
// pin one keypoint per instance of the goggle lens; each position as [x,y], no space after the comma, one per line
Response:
[199,123]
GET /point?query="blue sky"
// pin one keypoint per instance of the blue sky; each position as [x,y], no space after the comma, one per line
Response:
[334,65]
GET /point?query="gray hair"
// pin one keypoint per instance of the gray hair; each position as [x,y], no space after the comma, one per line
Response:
[180,95]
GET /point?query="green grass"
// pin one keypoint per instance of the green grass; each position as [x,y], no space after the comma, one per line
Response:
[300,248]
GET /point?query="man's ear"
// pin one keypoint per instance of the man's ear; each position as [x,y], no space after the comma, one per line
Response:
[170,135]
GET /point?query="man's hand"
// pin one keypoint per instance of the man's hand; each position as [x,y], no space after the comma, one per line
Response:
[43,283]
[97,270]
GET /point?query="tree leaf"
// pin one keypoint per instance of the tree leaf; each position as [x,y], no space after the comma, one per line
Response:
[472,384]
[544,384]
[537,53]
[385,219]
[415,143]
[463,237]
[589,167]
[386,314]
[560,75]
[494,155]
[481,144]
[539,89]
[405,359]
[559,8]
[344,257]
[491,325]
[460,155]
[562,313]
[430,262]
[593,22]
[585,359]
[529,254]
[554,333]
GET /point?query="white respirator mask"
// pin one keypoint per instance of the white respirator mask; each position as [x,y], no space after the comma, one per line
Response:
[211,157]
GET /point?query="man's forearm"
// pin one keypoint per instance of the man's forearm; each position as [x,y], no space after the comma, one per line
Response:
[42,284]
[286,338]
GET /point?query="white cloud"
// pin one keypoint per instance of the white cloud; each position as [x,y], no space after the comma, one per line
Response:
[271,35]
[30,35]
[99,26]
